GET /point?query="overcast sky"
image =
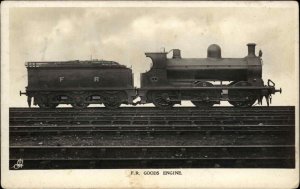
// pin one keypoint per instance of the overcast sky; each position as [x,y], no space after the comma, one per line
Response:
[124,34]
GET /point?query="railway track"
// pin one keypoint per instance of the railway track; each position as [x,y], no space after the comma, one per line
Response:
[262,156]
[151,130]
[153,116]
[148,111]
[236,128]
[162,120]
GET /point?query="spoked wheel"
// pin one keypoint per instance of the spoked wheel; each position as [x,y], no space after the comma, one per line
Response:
[112,105]
[112,100]
[47,105]
[53,105]
[79,100]
[43,105]
[204,96]
[202,104]
[162,100]
[245,98]
[43,101]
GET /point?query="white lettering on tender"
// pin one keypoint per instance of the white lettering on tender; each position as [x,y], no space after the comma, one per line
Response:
[61,79]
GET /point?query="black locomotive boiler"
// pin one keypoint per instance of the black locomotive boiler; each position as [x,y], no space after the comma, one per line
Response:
[205,81]
[79,83]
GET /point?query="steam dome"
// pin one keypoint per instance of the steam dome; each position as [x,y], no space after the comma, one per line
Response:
[214,51]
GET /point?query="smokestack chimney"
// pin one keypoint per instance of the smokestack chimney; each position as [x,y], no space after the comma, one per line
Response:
[176,53]
[251,49]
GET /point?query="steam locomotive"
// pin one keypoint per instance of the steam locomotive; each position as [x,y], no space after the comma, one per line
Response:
[203,81]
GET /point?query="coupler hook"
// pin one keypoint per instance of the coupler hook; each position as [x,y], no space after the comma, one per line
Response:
[22,93]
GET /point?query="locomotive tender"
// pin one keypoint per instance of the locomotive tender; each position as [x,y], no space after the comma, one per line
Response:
[79,83]
[203,81]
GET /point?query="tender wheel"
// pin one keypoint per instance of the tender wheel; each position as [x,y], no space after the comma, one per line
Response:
[44,102]
[202,104]
[162,100]
[53,105]
[112,105]
[79,105]
[46,105]
[246,98]
[43,105]
[79,100]
[112,100]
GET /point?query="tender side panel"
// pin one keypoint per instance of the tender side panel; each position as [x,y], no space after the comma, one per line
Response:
[74,78]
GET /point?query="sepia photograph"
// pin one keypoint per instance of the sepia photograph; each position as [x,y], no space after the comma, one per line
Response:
[150,94]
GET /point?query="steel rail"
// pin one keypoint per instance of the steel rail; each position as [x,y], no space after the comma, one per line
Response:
[150,130]
[153,122]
